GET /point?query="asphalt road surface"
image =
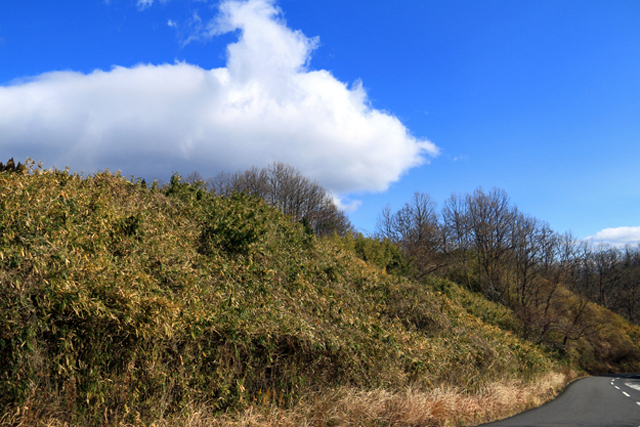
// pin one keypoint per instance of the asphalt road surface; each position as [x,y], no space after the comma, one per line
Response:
[596,401]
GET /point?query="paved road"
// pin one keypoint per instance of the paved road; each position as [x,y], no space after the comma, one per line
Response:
[596,401]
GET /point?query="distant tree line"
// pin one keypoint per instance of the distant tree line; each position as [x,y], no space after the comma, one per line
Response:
[285,188]
[609,276]
[548,279]
[12,167]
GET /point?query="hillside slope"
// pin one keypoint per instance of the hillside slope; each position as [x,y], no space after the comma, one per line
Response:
[122,303]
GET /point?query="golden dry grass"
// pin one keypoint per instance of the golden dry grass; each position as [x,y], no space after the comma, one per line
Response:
[345,407]
[438,407]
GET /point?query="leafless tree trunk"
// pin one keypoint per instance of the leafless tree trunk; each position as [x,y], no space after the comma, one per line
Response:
[416,229]
[490,220]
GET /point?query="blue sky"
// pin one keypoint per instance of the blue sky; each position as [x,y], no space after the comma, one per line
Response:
[374,99]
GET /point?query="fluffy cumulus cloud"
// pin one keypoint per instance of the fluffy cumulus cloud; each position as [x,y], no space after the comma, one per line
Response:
[266,105]
[619,236]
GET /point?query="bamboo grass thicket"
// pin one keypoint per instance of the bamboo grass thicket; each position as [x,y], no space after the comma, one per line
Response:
[122,304]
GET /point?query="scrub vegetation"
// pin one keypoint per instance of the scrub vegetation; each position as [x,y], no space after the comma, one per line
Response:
[123,303]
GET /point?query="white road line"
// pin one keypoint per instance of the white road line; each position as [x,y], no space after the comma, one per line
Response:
[634,386]
[626,394]
[617,388]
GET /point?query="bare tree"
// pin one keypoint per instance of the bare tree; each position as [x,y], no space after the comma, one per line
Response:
[385,226]
[221,184]
[489,219]
[606,263]
[253,181]
[417,230]
[629,297]
[194,177]
[456,227]
[284,187]
[550,281]
[458,241]
[536,276]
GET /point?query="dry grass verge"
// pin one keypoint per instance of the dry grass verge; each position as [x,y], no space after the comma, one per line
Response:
[352,407]
[438,407]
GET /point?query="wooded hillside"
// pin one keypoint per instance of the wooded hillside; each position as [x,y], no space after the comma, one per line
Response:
[122,302]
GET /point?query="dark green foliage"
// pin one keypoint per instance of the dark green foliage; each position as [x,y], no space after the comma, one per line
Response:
[184,190]
[128,226]
[234,223]
[306,226]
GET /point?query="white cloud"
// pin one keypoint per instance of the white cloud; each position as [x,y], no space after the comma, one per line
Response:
[172,24]
[143,4]
[264,106]
[619,236]
[347,205]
